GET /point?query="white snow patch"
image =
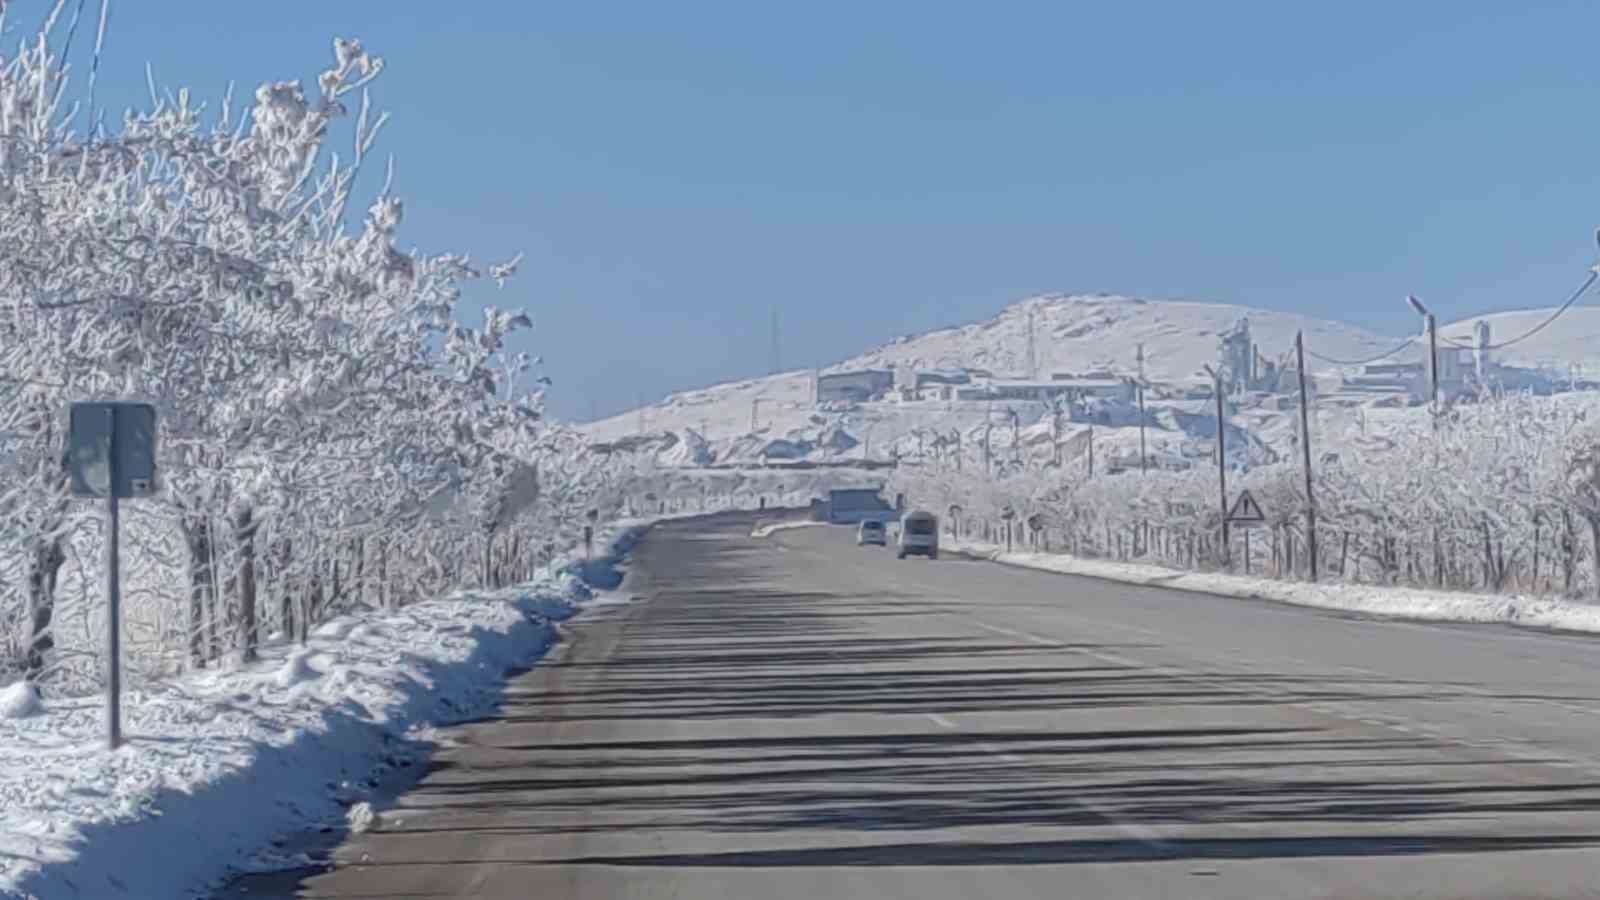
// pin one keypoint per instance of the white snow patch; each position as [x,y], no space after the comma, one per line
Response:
[360,818]
[296,669]
[336,628]
[219,763]
[1377,600]
[769,528]
[19,701]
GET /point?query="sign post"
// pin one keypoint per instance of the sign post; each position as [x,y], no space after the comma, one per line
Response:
[1245,513]
[111,454]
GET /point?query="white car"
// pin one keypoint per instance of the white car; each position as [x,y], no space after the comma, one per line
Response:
[919,533]
[872,532]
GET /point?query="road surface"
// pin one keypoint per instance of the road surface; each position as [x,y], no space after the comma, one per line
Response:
[798,717]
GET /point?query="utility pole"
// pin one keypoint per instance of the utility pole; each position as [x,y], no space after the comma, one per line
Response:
[755,403]
[1055,430]
[1222,463]
[641,413]
[1305,451]
[1091,451]
[1143,458]
[1033,359]
[1433,357]
[988,467]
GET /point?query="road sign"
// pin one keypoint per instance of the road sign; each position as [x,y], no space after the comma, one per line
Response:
[111,453]
[111,449]
[1245,511]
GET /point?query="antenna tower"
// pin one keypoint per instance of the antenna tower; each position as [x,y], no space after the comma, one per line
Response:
[775,359]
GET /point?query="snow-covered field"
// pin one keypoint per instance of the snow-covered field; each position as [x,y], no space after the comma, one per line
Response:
[221,763]
[1391,601]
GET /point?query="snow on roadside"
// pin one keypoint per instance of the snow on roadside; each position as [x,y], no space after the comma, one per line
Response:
[19,700]
[218,763]
[1378,600]
[770,527]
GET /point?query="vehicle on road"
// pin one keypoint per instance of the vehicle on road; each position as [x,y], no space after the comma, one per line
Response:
[872,531]
[919,533]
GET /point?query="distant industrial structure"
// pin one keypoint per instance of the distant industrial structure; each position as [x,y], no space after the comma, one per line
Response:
[1061,387]
[855,386]
[1246,377]
[938,384]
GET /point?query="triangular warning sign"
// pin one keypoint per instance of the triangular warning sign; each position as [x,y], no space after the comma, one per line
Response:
[1245,510]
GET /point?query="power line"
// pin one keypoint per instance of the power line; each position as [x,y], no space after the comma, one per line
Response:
[1587,283]
[1360,362]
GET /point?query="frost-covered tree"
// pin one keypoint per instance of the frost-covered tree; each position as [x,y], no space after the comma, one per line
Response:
[332,432]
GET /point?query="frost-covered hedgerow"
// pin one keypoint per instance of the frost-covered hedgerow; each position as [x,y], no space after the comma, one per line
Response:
[1504,495]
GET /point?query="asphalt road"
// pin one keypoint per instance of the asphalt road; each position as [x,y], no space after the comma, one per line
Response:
[797,717]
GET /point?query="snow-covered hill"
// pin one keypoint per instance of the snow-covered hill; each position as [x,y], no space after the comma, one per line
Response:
[1572,339]
[774,415]
[1081,333]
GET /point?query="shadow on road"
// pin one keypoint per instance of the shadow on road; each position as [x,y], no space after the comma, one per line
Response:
[744,703]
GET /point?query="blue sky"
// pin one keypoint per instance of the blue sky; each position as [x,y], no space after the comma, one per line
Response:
[675,171]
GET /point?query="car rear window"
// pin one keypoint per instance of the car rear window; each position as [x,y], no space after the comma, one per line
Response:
[919,527]
[872,526]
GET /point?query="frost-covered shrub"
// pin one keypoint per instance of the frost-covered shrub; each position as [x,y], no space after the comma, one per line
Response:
[1503,495]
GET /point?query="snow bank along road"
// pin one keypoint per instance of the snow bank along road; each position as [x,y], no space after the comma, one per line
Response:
[794,716]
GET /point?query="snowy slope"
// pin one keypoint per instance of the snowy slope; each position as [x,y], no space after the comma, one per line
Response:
[1074,333]
[1573,338]
[1080,333]
[718,412]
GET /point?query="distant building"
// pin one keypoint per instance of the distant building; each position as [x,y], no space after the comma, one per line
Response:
[1060,387]
[932,377]
[1412,379]
[1098,386]
[939,384]
[1015,390]
[854,386]
[856,504]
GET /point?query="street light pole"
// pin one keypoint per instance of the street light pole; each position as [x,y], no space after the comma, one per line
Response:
[1433,356]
